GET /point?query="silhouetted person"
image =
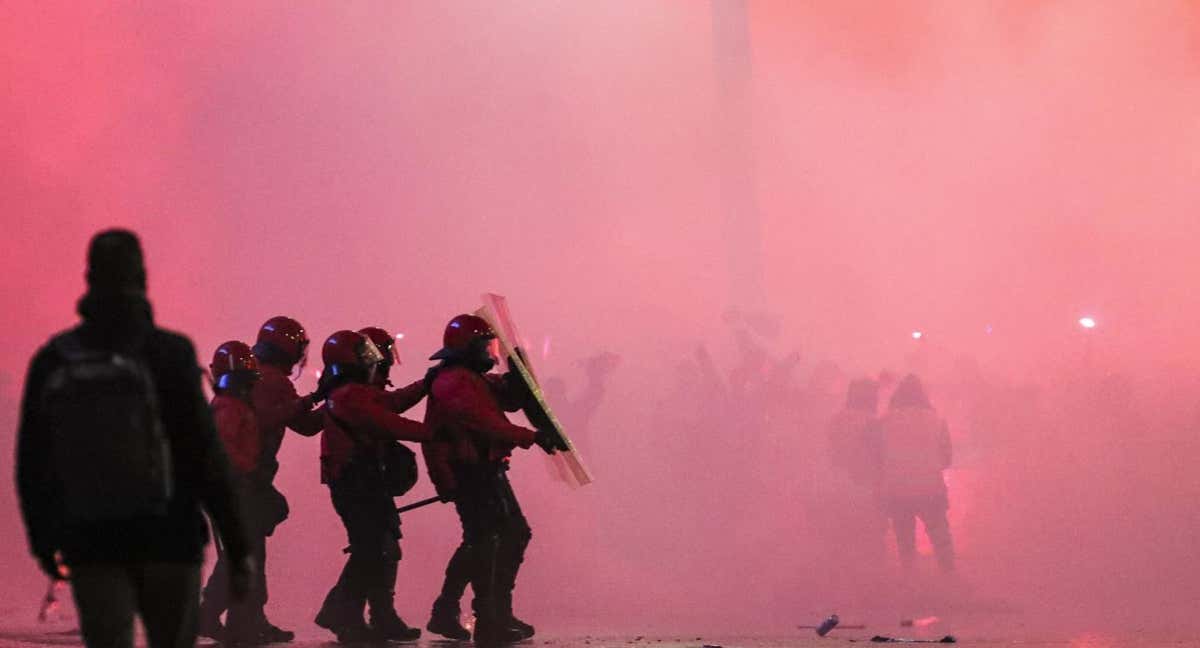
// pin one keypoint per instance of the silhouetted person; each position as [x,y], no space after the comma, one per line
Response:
[281,345]
[235,371]
[360,419]
[856,449]
[575,414]
[916,449]
[385,622]
[468,464]
[117,455]
[854,436]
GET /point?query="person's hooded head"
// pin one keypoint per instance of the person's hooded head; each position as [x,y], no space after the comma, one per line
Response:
[115,264]
[115,306]
[910,394]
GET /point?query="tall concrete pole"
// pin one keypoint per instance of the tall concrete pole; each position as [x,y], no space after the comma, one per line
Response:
[735,166]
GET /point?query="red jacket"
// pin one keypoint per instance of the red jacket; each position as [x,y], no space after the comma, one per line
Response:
[239,432]
[277,406]
[466,409]
[358,414]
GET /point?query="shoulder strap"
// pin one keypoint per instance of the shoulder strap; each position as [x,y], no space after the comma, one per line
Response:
[68,345]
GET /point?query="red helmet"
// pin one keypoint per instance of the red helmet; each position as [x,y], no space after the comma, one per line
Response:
[382,341]
[282,337]
[348,348]
[230,357]
[460,333]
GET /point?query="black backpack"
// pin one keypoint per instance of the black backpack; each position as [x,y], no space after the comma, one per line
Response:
[111,456]
[386,464]
[399,467]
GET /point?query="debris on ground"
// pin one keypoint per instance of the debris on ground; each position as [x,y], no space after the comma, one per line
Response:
[882,639]
[830,623]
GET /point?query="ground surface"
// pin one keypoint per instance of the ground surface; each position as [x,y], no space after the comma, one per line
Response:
[41,636]
[19,629]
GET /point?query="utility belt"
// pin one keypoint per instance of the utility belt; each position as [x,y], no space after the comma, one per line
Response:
[481,474]
[362,470]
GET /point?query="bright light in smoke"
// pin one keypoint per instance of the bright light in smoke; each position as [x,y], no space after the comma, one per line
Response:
[399,336]
[917,335]
[1087,322]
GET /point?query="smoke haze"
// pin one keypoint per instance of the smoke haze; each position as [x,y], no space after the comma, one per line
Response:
[686,185]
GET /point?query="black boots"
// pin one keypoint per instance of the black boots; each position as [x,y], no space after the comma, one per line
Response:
[522,626]
[254,632]
[345,627]
[444,621]
[209,625]
[491,634]
[274,634]
[390,627]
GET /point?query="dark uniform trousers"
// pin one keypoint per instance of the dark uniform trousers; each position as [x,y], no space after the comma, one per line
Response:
[264,508]
[247,613]
[373,530]
[495,535]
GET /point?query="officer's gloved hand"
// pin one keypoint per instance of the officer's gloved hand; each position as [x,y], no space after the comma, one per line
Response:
[241,575]
[548,440]
[324,386]
[48,561]
[512,366]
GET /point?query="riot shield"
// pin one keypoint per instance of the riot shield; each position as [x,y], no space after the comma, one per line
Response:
[568,465]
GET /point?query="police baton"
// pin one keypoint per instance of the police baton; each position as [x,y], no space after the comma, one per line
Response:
[416,505]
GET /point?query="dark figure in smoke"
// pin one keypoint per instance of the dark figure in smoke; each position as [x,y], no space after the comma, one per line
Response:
[281,345]
[360,419]
[916,449]
[854,436]
[111,408]
[235,371]
[468,463]
[855,448]
[575,414]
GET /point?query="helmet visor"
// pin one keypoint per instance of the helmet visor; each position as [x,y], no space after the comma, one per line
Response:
[369,354]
